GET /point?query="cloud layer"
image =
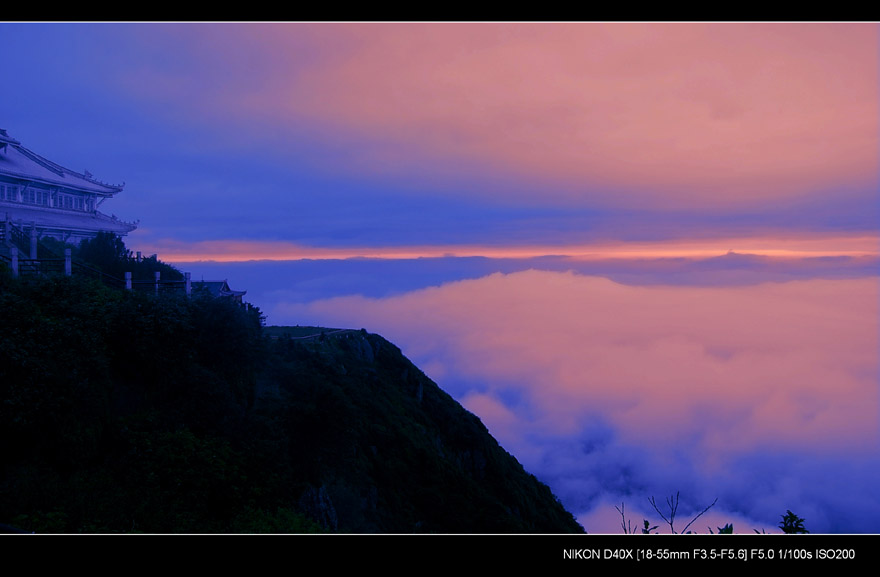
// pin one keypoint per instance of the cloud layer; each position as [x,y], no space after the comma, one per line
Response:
[606,390]
[437,134]
[715,116]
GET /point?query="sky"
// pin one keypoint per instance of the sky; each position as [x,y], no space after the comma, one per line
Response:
[644,254]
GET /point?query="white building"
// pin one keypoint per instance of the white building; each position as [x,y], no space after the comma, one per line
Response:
[37,194]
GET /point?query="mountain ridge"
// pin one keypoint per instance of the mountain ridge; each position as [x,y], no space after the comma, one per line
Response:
[141,413]
[465,454]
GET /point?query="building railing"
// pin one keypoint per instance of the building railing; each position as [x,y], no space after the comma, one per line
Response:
[14,236]
[28,267]
[17,243]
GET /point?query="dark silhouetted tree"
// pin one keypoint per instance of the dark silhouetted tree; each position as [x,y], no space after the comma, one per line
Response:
[792,524]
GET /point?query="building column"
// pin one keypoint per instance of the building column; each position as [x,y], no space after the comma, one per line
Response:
[68,265]
[34,242]
[14,253]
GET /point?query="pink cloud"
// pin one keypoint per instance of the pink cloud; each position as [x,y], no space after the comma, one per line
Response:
[764,396]
[641,115]
[773,365]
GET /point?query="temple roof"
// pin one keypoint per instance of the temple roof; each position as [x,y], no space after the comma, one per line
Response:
[6,139]
[218,288]
[54,218]
[16,161]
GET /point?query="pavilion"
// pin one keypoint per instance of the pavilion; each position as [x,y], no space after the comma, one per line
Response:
[39,197]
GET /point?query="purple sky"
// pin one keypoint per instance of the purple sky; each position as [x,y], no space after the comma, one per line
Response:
[646,255]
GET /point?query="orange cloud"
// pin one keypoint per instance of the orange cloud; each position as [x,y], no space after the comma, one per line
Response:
[804,245]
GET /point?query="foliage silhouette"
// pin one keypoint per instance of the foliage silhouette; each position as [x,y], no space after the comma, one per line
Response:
[108,253]
[132,412]
[792,524]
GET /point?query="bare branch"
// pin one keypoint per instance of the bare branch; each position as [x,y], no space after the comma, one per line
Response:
[627,525]
[672,503]
[700,514]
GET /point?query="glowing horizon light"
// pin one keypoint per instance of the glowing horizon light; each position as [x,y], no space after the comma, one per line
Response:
[805,247]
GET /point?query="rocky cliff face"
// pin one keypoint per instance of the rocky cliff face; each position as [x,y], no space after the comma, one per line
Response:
[384,449]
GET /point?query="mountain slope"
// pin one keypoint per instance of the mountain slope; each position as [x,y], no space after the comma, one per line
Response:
[128,412]
[392,451]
